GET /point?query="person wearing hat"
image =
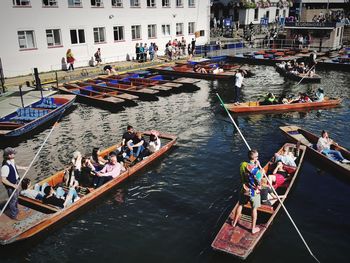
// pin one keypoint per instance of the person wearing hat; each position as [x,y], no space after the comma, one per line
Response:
[10,179]
[110,171]
[319,95]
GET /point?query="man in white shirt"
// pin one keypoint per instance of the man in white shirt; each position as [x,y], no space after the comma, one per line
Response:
[238,85]
[324,146]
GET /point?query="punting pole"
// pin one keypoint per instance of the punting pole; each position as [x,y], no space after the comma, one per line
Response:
[31,163]
[273,189]
[305,75]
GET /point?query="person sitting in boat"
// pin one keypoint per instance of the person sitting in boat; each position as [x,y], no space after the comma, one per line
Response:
[324,144]
[305,98]
[111,170]
[270,99]
[87,176]
[286,157]
[282,65]
[197,68]
[31,193]
[267,195]
[136,145]
[278,176]
[217,70]
[301,69]
[127,136]
[319,95]
[96,160]
[76,163]
[153,145]
[250,189]
[289,66]
[59,198]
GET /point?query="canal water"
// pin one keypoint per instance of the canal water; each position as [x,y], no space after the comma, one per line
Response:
[172,211]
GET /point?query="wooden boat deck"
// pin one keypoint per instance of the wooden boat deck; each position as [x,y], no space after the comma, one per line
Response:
[239,241]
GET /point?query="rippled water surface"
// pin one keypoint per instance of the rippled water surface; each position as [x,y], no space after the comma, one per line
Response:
[172,211]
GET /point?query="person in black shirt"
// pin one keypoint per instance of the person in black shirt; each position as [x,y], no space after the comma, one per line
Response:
[59,199]
[137,144]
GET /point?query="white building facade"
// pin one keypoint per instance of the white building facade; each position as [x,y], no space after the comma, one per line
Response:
[37,33]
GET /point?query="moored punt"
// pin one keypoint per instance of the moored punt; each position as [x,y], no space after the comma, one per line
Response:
[256,107]
[35,115]
[304,78]
[181,84]
[93,98]
[239,241]
[142,92]
[184,71]
[41,217]
[295,133]
[130,100]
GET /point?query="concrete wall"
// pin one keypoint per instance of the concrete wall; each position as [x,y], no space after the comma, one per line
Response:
[37,18]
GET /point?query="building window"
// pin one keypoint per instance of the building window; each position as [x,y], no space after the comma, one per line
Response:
[166,30]
[179,3]
[134,3]
[268,15]
[117,3]
[97,3]
[50,3]
[284,13]
[26,39]
[202,33]
[74,3]
[151,3]
[191,28]
[277,12]
[118,33]
[179,29]
[53,37]
[191,3]
[165,3]
[77,36]
[135,32]
[152,31]
[21,2]
[256,14]
[338,31]
[99,35]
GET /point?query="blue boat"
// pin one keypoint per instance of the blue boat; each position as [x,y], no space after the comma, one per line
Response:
[34,116]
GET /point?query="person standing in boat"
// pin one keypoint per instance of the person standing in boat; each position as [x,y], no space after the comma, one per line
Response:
[324,144]
[10,179]
[312,63]
[238,85]
[250,173]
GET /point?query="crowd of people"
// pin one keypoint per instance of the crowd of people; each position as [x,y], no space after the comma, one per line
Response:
[179,48]
[85,172]
[145,52]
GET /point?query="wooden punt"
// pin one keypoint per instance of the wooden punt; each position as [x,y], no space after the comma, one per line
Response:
[256,107]
[304,78]
[130,100]
[295,133]
[41,217]
[239,241]
[185,71]
[142,92]
[34,116]
[93,98]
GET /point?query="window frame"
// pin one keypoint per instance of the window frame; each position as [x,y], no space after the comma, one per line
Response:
[123,32]
[154,27]
[194,28]
[96,5]
[166,6]
[77,33]
[98,31]
[179,3]
[164,27]
[20,3]
[26,40]
[150,5]
[75,4]
[132,3]
[53,36]
[182,29]
[49,5]
[193,3]
[132,31]
[115,5]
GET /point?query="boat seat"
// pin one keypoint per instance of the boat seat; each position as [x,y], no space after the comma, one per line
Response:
[38,203]
[47,103]
[29,114]
[301,138]
[263,208]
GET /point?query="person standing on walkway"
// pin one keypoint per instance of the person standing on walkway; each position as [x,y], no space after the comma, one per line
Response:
[238,85]
[98,56]
[70,59]
[10,179]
